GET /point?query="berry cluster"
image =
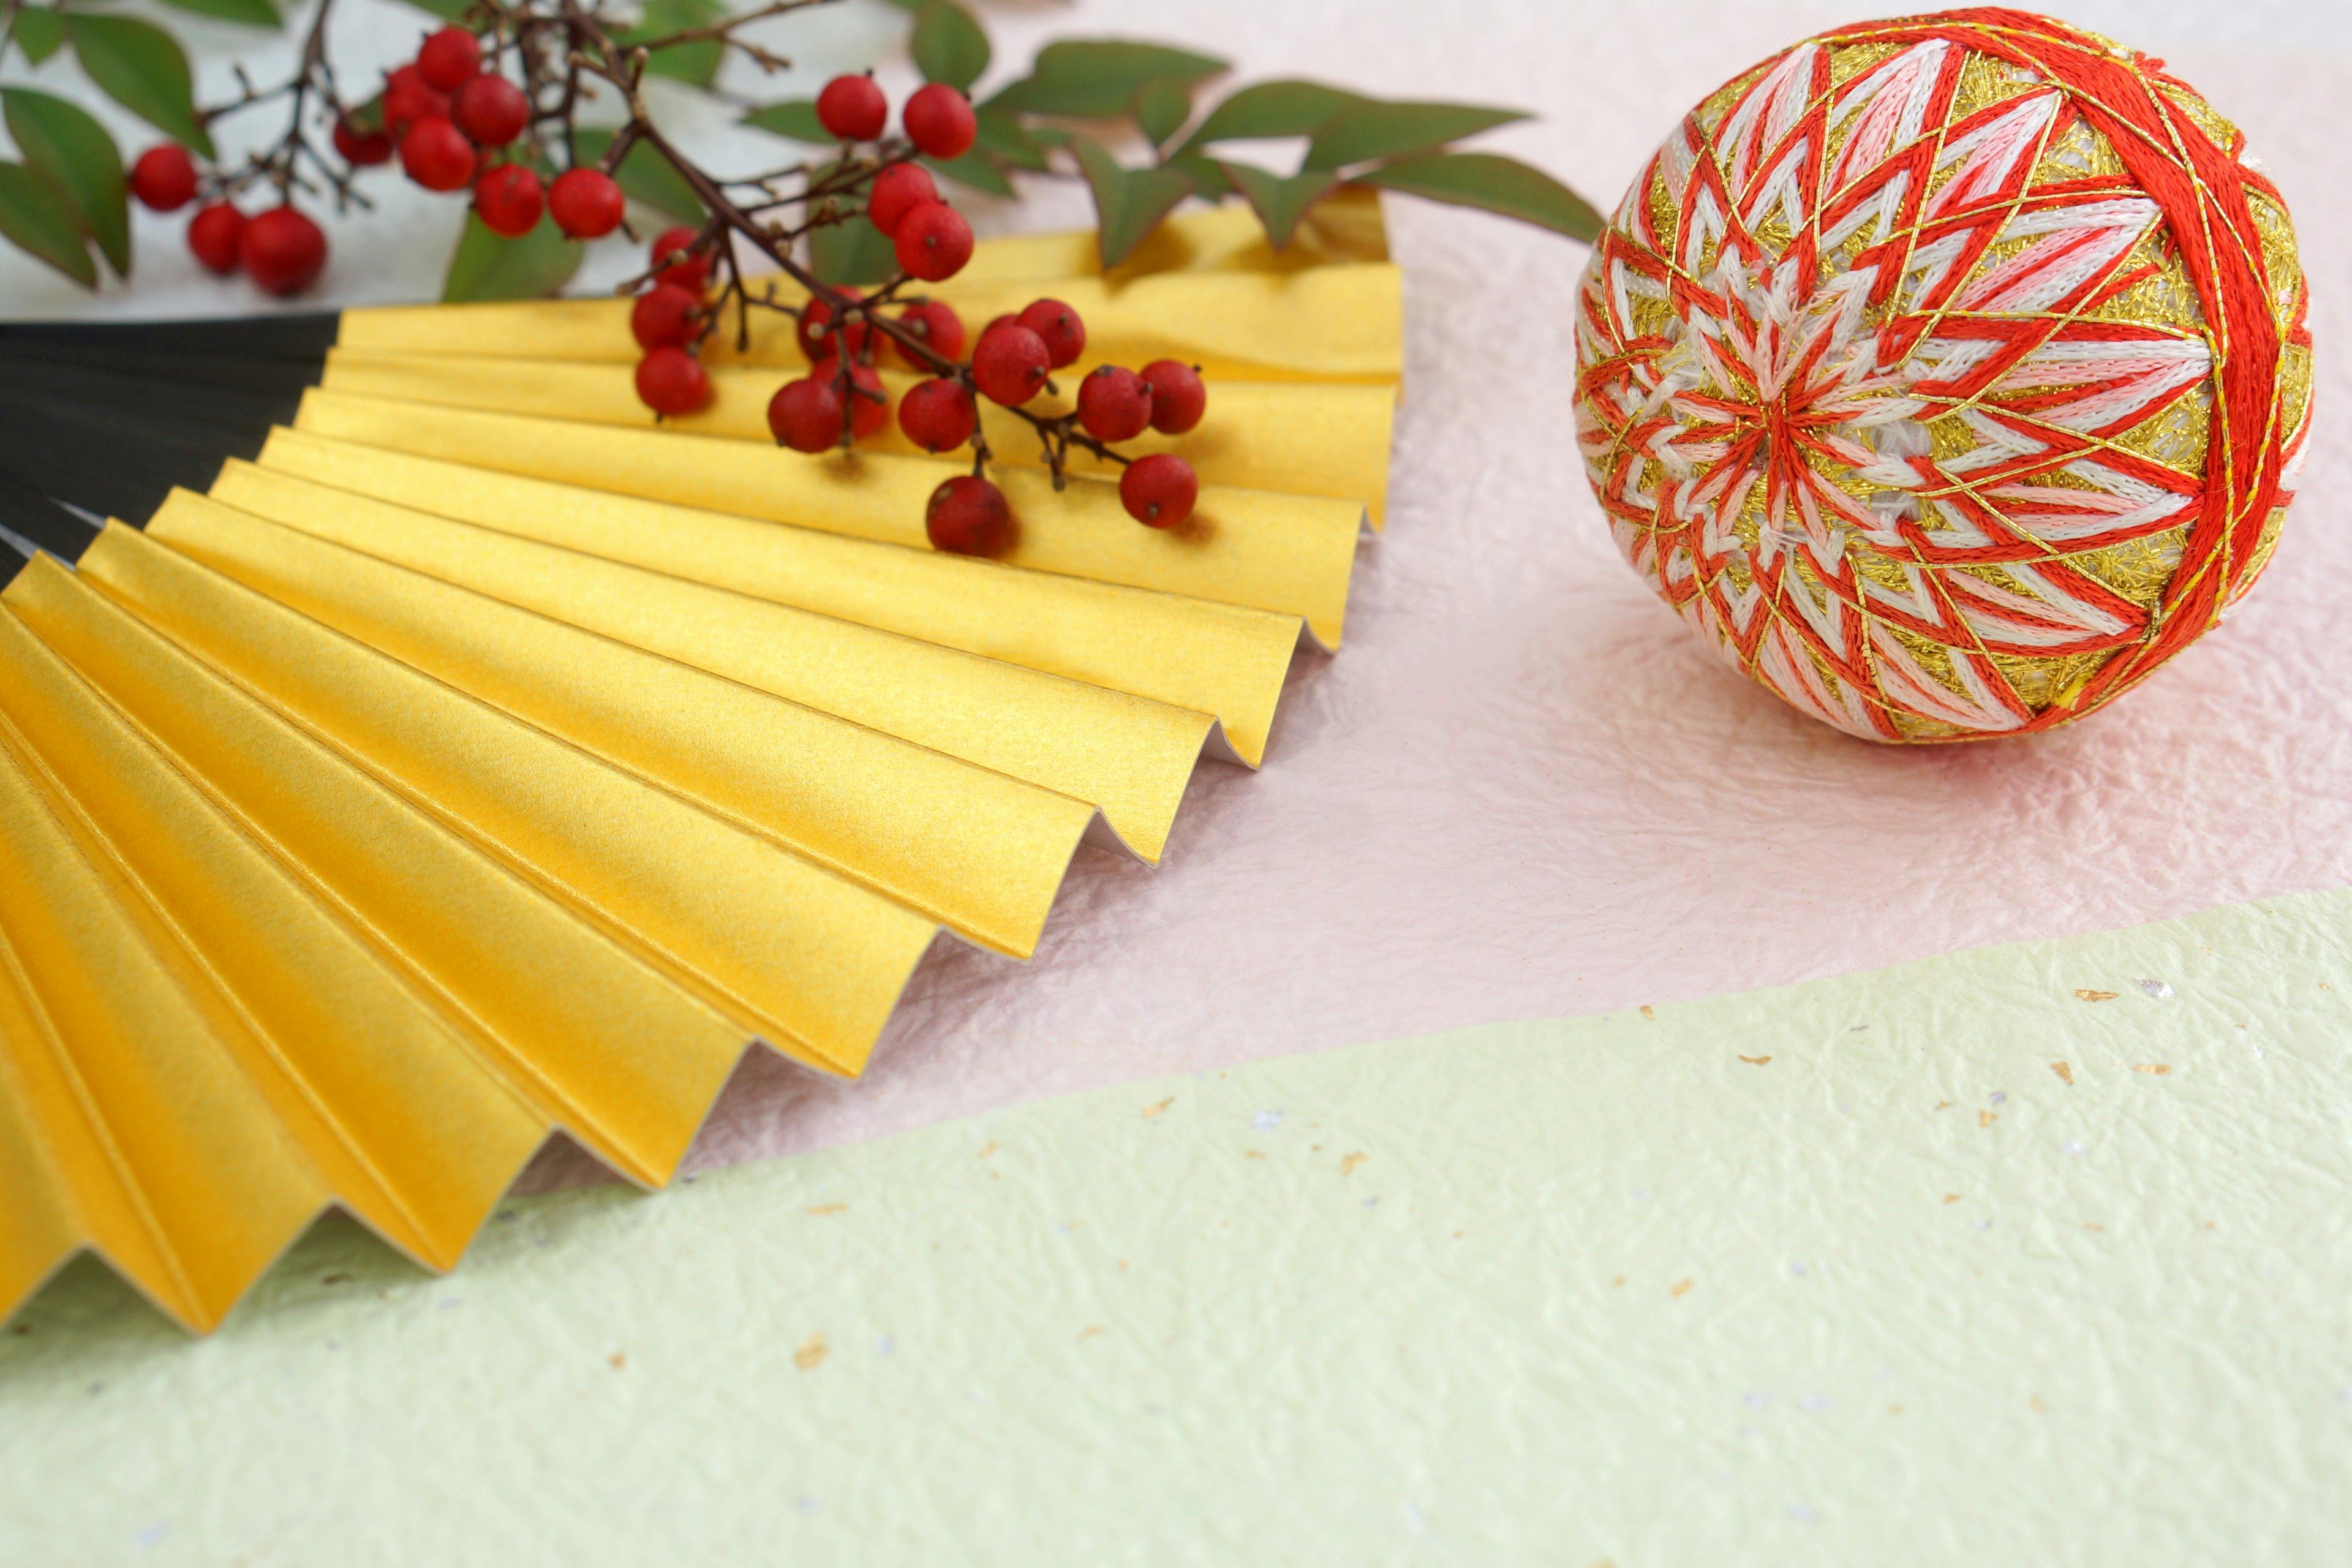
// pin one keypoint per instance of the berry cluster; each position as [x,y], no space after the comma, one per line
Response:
[280,249]
[843,399]
[453,121]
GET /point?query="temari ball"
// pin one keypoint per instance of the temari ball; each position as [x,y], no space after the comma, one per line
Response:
[1948,373]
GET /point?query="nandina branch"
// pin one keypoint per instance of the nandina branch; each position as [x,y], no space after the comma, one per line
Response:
[281,165]
[562,52]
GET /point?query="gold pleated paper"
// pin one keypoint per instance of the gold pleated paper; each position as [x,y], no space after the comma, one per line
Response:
[483,761]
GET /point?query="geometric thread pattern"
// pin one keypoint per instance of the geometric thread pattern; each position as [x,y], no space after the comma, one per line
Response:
[1948,373]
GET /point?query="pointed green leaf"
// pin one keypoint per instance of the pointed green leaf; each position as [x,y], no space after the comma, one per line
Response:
[949,46]
[1370,131]
[794,119]
[851,252]
[1097,79]
[975,169]
[645,175]
[696,62]
[447,10]
[63,142]
[1274,109]
[1162,108]
[1280,202]
[1496,183]
[34,215]
[487,266]
[142,67]
[368,117]
[1003,136]
[252,13]
[1129,202]
[39,33]
[1209,182]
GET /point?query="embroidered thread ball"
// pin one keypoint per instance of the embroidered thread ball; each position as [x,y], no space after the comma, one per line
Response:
[1947,374]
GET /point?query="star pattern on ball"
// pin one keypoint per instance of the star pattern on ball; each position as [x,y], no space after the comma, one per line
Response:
[1899,380]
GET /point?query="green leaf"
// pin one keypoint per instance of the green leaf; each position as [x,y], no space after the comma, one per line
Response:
[447,10]
[39,33]
[1209,182]
[34,216]
[1274,109]
[1280,202]
[696,62]
[794,119]
[1496,183]
[368,117]
[1097,79]
[252,13]
[645,175]
[949,46]
[1003,137]
[142,67]
[1162,108]
[1370,131]
[487,266]
[851,252]
[975,169]
[1129,202]
[73,150]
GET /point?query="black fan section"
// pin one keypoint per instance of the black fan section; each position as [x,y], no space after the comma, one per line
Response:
[101,419]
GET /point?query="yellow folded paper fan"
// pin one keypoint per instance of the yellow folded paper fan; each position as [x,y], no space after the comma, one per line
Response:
[476,761]
[1948,374]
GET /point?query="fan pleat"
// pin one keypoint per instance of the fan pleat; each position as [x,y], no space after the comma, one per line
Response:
[467,759]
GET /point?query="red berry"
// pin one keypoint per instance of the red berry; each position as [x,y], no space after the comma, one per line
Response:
[362,149]
[940,121]
[666,318]
[490,110]
[867,413]
[805,415]
[853,109]
[1178,398]
[450,60]
[586,204]
[672,381]
[212,235]
[1010,364]
[937,325]
[1114,403]
[164,178]
[1159,490]
[898,191]
[509,199]
[691,273]
[933,242]
[436,156]
[967,516]
[816,343]
[938,415]
[1064,334]
[409,97]
[282,250]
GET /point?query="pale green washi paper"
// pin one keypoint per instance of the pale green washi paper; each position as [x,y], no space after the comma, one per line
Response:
[1848,1272]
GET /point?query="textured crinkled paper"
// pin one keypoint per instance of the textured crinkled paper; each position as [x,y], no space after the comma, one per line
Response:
[1940,1264]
